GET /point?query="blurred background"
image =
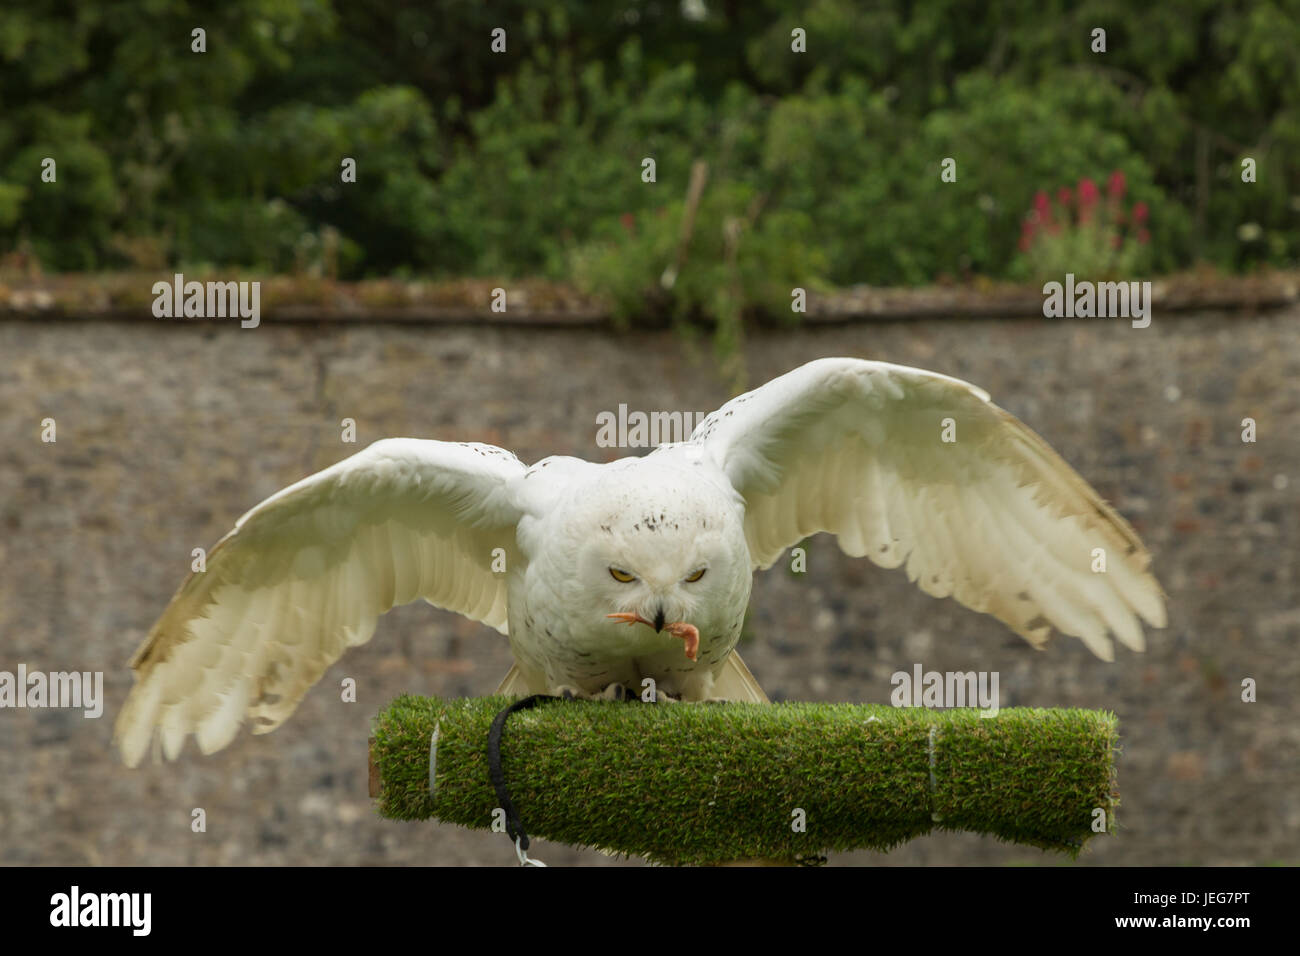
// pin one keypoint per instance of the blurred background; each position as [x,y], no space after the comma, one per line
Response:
[920,168]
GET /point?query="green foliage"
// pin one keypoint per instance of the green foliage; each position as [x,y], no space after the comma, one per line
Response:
[68,227]
[557,158]
[472,162]
[706,783]
[737,261]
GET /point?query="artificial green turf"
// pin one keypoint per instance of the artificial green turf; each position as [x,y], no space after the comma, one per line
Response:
[705,783]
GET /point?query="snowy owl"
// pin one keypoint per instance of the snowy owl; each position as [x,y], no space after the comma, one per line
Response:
[603,575]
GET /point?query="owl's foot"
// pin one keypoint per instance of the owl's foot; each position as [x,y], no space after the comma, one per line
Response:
[615,691]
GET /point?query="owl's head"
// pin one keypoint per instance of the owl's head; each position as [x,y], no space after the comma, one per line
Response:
[659,544]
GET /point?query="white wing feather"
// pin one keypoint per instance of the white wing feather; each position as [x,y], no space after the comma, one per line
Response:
[996,519]
[304,576]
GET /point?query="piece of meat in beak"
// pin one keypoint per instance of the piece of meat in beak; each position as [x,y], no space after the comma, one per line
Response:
[679,629]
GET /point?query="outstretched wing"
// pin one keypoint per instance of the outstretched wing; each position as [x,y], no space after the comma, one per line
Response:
[993,518]
[305,574]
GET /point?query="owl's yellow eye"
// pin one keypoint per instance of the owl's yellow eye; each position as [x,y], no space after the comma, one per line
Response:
[621,575]
[696,576]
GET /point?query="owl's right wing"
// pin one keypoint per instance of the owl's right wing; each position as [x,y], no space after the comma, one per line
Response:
[911,467]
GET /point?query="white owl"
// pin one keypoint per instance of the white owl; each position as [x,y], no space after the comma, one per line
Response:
[605,575]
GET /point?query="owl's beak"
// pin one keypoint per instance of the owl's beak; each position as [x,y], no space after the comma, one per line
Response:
[659,619]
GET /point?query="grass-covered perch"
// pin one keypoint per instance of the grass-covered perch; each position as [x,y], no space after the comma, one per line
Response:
[705,783]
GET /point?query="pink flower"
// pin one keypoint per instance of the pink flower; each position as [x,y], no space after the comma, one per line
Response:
[1042,206]
[1140,212]
[1087,199]
[1115,188]
[628,220]
[1063,195]
[1027,230]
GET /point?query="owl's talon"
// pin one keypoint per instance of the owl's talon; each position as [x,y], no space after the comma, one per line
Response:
[615,691]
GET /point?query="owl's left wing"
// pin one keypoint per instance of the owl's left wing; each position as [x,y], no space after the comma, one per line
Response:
[905,465]
[304,576]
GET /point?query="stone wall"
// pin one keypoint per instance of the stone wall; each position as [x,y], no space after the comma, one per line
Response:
[167,433]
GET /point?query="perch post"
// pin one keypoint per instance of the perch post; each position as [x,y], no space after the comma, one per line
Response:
[708,783]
